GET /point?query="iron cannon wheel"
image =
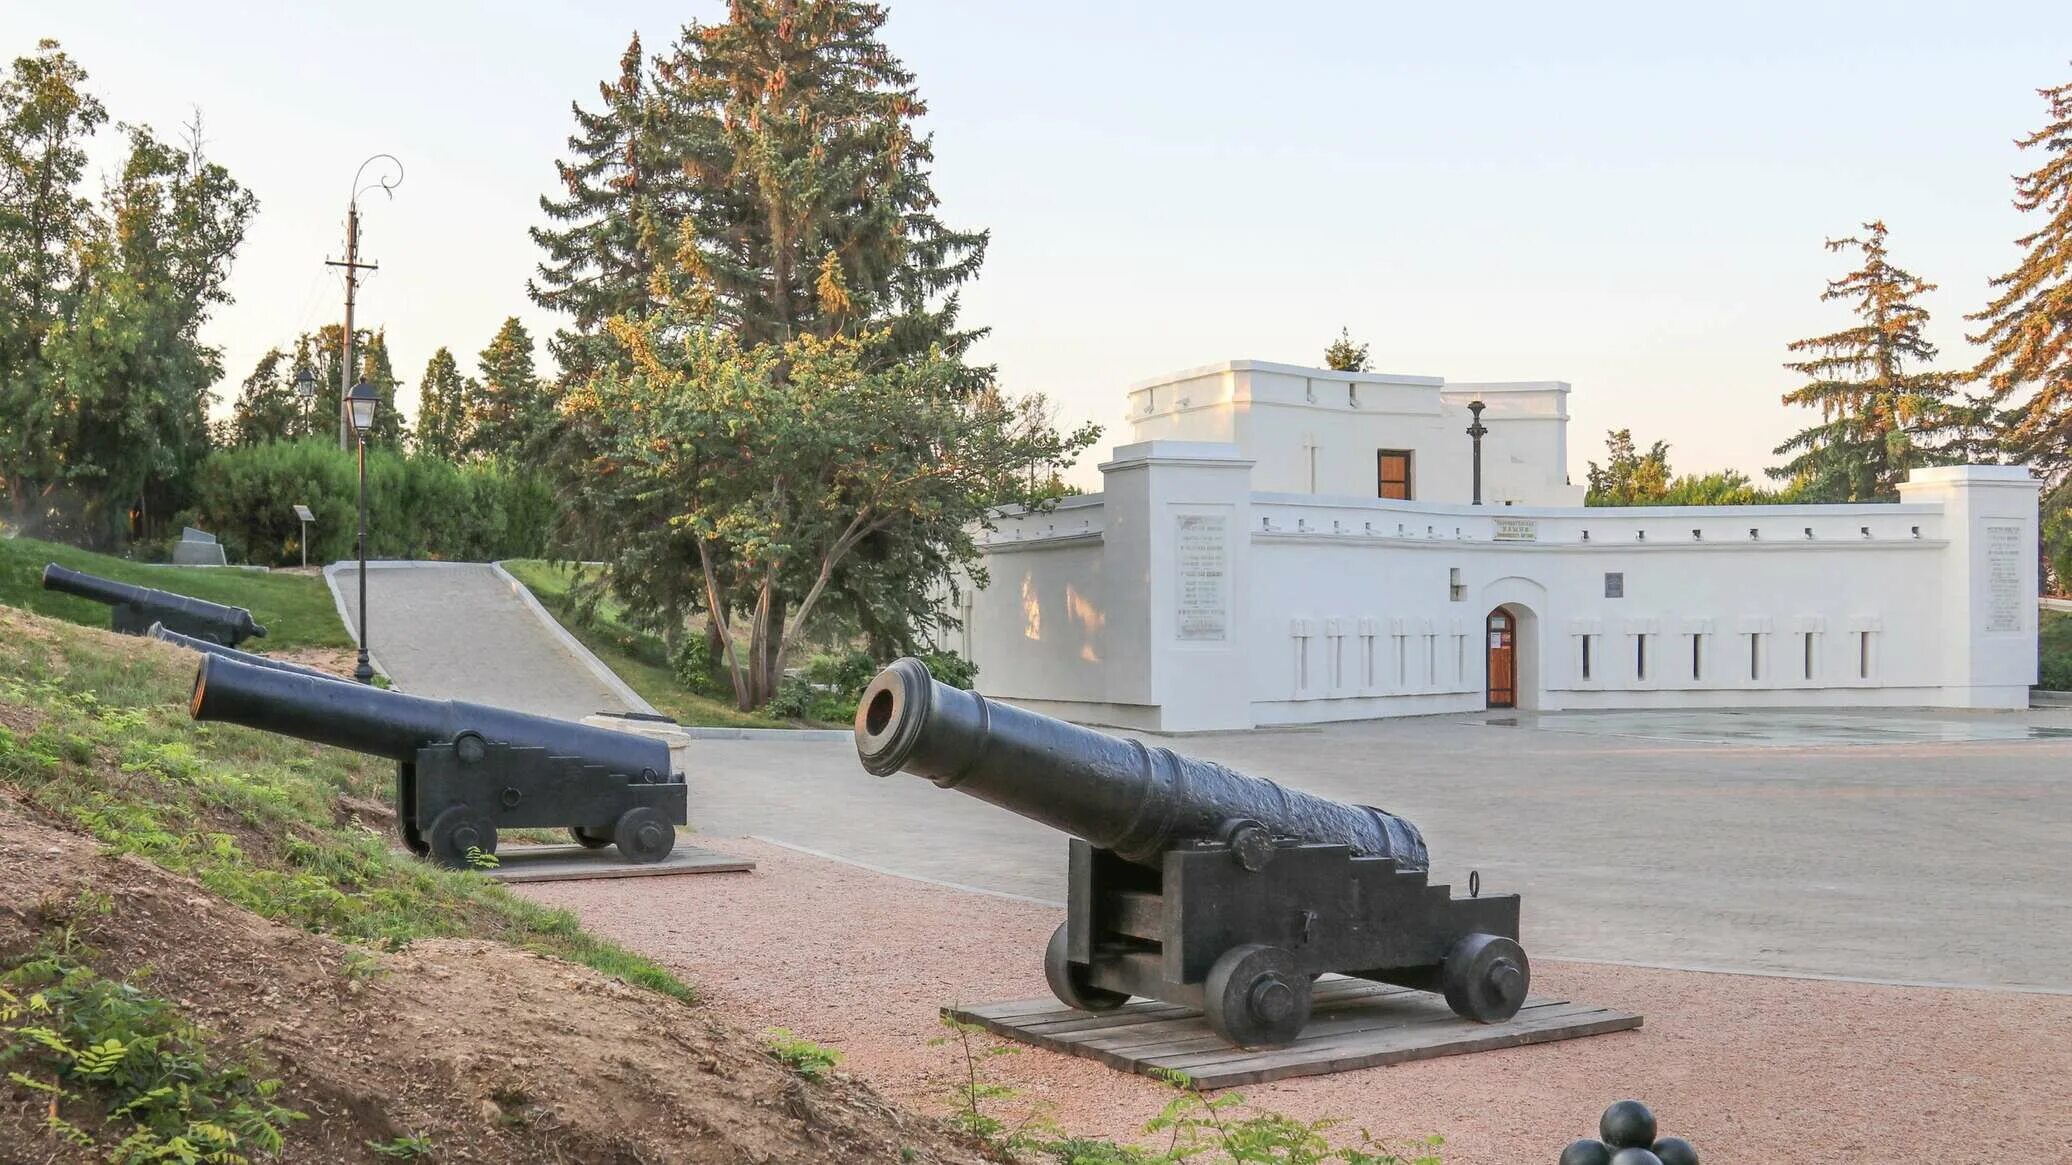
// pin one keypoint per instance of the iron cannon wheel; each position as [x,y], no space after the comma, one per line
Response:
[1257,996]
[1068,979]
[590,838]
[457,830]
[643,835]
[1485,978]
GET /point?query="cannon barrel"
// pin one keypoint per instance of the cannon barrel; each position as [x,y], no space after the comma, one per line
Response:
[391,724]
[1118,794]
[165,634]
[106,590]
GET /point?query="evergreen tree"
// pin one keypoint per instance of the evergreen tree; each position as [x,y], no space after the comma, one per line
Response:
[613,230]
[1880,411]
[442,403]
[509,411]
[377,370]
[46,117]
[2028,326]
[1345,356]
[809,208]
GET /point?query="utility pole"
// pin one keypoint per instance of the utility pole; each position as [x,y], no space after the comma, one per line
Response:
[353,267]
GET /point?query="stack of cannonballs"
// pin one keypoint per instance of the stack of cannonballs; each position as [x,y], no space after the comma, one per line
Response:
[1626,1135]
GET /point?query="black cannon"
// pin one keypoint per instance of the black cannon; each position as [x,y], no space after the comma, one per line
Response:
[1197,885]
[465,770]
[135,609]
[164,634]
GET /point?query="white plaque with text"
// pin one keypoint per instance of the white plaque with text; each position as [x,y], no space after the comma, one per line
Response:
[2005,553]
[1517,530]
[1202,555]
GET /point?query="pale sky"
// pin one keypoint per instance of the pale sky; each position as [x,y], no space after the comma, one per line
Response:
[1630,197]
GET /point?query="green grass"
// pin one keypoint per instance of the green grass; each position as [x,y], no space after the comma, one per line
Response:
[636,656]
[296,610]
[102,739]
[2054,651]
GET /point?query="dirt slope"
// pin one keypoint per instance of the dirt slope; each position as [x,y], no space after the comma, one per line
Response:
[490,1053]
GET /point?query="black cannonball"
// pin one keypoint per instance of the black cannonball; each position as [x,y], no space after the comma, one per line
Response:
[1676,1151]
[1586,1153]
[1627,1125]
[1635,1155]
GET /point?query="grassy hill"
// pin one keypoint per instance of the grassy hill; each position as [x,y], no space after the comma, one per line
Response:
[634,655]
[296,609]
[208,936]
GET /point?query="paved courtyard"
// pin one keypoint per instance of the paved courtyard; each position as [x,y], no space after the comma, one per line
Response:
[1909,847]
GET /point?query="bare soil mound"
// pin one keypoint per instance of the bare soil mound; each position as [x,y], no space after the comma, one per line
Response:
[486,1052]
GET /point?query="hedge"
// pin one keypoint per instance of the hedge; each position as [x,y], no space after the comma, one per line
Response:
[418,507]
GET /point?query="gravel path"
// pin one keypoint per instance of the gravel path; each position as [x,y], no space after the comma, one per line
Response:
[455,631]
[1751,1069]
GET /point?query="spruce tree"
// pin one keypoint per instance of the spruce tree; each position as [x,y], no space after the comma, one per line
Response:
[612,230]
[442,402]
[1880,410]
[809,207]
[2028,325]
[377,370]
[508,413]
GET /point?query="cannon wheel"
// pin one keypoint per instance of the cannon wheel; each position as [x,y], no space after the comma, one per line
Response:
[1485,978]
[643,835]
[1257,996]
[1068,979]
[457,830]
[590,838]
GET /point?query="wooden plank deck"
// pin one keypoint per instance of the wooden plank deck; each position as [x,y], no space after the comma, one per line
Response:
[1353,1024]
[574,863]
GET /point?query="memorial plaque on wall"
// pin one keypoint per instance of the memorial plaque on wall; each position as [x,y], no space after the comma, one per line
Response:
[1517,530]
[2005,552]
[1202,557]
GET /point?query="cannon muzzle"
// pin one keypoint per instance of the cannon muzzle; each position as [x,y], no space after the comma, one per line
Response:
[136,608]
[391,724]
[1121,795]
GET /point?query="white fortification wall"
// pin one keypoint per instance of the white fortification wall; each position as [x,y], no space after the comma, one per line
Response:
[1189,596]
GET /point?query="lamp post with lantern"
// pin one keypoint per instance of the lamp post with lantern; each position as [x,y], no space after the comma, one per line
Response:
[1477,431]
[361,404]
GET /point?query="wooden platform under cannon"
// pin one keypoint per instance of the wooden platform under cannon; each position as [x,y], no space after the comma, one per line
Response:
[574,863]
[1353,1024]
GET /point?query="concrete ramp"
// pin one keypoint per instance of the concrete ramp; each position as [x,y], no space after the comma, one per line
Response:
[463,631]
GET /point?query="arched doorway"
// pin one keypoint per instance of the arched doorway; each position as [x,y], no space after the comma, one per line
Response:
[1519,601]
[1501,627]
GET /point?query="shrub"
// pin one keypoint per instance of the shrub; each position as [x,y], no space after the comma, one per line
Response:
[950,668]
[417,506]
[697,670]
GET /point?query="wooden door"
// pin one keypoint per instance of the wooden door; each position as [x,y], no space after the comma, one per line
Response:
[1503,655]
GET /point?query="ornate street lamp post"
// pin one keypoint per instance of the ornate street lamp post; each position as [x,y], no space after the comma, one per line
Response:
[361,404]
[305,390]
[1478,430]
